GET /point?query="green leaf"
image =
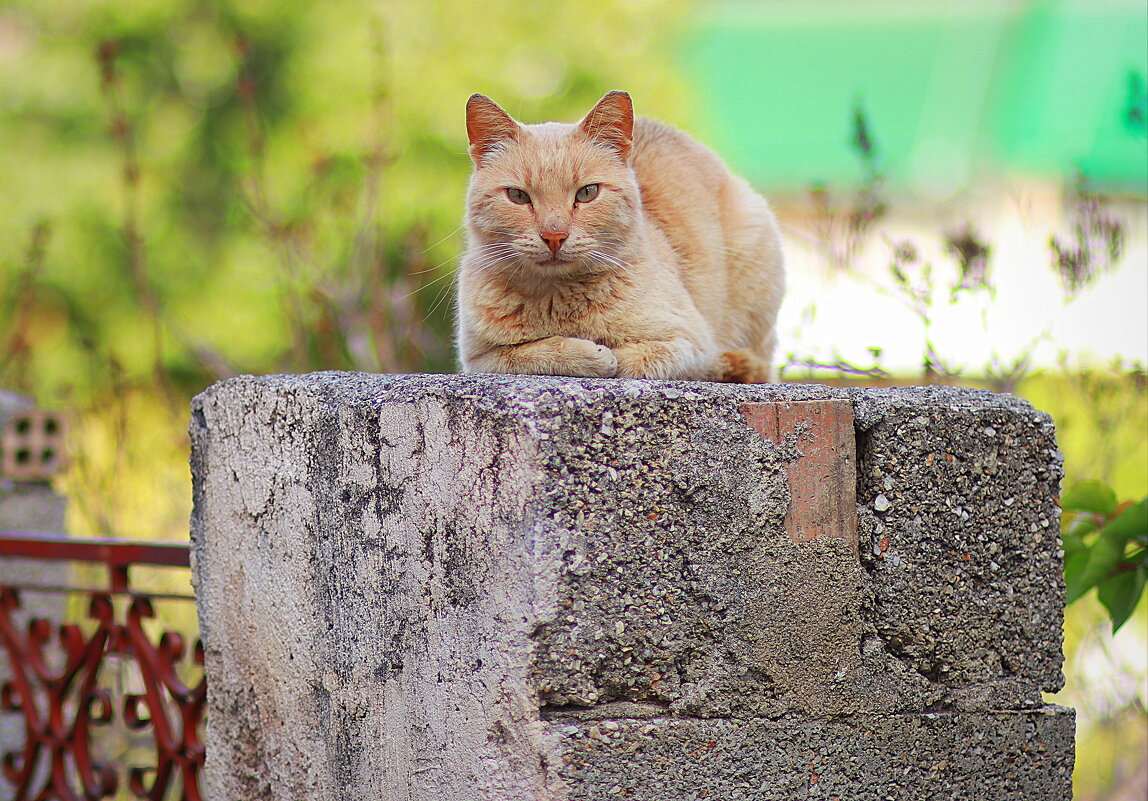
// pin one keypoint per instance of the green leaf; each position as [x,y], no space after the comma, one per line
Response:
[1080,523]
[1103,557]
[1129,525]
[1121,594]
[1074,565]
[1072,544]
[1089,496]
[1107,553]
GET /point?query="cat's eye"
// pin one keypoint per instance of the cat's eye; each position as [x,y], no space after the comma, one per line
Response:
[586,193]
[517,196]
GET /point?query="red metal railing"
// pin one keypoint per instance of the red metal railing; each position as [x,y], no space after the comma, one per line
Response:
[56,687]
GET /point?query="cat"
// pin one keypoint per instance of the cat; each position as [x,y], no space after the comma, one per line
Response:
[612,247]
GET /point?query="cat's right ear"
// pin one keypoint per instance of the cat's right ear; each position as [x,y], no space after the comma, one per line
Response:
[488,126]
[611,123]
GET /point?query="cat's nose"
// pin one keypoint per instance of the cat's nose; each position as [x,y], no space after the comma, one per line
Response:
[554,239]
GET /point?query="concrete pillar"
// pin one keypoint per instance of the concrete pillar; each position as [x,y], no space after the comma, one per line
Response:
[454,588]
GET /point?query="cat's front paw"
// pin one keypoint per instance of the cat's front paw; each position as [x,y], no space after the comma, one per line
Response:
[581,357]
[549,356]
[655,359]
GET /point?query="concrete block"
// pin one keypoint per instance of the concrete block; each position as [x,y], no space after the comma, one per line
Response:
[403,579]
[925,756]
[961,533]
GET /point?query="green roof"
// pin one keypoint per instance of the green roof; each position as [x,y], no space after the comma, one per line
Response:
[950,92]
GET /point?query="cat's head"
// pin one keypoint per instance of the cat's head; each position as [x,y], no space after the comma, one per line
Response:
[555,198]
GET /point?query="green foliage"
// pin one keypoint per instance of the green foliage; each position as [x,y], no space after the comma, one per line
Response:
[192,190]
[1106,547]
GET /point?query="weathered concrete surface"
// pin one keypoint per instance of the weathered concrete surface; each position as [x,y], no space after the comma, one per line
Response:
[441,563]
[931,756]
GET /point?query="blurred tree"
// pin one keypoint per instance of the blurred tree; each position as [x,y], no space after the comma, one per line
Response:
[190,189]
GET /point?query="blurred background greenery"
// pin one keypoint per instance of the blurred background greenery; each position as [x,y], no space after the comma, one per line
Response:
[193,189]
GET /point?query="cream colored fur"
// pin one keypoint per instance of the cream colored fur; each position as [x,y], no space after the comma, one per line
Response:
[674,269]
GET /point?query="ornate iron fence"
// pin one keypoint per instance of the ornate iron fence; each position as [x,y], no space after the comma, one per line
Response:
[58,688]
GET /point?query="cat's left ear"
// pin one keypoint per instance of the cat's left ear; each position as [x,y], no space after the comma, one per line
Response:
[611,123]
[488,127]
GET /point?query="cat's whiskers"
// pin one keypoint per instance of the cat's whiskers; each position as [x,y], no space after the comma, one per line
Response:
[443,295]
[614,245]
[488,256]
[606,259]
[495,247]
[433,281]
[445,238]
[485,257]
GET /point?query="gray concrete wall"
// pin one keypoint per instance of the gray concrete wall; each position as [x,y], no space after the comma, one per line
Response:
[484,587]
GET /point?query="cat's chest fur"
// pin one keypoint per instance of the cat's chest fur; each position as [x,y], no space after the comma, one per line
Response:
[572,307]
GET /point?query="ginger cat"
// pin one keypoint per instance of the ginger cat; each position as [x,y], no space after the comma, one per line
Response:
[613,247]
